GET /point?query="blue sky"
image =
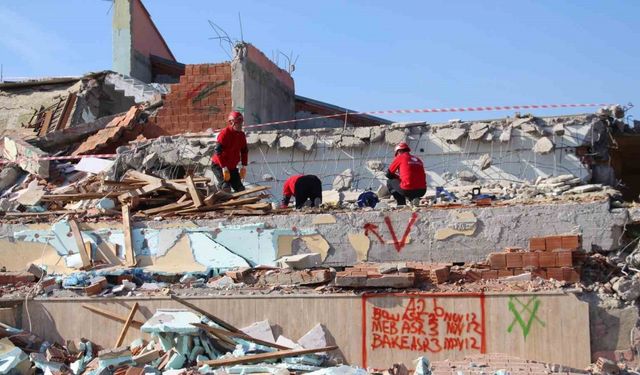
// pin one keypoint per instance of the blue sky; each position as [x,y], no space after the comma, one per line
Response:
[369,55]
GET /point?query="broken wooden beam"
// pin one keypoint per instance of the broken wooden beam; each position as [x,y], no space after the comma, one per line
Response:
[127,323]
[264,356]
[220,332]
[77,236]
[128,237]
[200,311]
[134,323]
[195,194]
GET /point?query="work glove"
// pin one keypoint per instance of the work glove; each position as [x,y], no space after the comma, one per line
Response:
[226,175]
[243,173]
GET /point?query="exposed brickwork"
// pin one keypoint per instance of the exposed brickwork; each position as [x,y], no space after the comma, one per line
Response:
[201,100]
[547,258]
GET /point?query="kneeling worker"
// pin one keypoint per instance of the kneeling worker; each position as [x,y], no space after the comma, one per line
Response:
[407,178]
[302,187]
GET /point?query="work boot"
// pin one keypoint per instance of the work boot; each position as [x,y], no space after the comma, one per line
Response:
[415,202]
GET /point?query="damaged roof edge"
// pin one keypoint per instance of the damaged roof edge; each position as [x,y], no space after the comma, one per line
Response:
[49,80]
[338,109]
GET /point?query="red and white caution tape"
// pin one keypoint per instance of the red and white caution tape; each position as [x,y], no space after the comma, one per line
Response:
[438,110]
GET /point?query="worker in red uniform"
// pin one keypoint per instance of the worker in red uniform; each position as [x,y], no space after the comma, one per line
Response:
[231,149]
[303,188]
[407,178]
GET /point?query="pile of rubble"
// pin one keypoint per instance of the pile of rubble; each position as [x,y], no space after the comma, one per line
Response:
[179,340]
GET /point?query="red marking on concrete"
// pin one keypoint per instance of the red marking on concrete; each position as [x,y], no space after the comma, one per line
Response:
[400,244]
[369,227]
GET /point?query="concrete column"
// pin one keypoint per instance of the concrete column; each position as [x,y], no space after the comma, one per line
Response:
[122,36]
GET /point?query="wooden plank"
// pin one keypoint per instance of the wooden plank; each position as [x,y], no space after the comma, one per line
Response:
[147,189]
[153,179]
[168,207]
[200,311]
[77,236]
[46,213]
[66,111]
[128,238]
[195,194]
[220,332]
[146,357]
[127,323]
[46,122]
[134,323]
[87,250]
[258,206]
[249,191]
[79,196]
[183,198]
[264,356]
[238,202]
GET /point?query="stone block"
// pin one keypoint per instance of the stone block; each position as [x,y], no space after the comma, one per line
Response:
[306,143]
[301,261]
[543,146]
[350,280]
[489,274]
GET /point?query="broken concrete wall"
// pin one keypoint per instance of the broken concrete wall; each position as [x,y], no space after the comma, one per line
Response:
[341,239]
[261,90]
[448,151]
[26,156]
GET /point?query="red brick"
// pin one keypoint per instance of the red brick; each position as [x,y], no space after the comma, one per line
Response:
[439,275]
[513,249]
[539,273]
[530,260]
[514,260]
[571,274]
[548,260]
[555,273]
[489,274]
[518,271]
[16,277]
[93,289]
[553,242]
[497,261]
[571,242]
[564,258]
[505,273]
[537,243]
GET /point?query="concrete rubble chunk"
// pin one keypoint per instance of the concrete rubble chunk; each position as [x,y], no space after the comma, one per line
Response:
[506,134]
[343,180]
[518,122]
[268,139]
[260,330]
[286,142]
[451,134]
[375,165]
[253,138]
[377,134]
[331,197]
[362,133]
[31,195]
[530,127]
[8,176]
[393,137]
[28,157]
[285,341]
[584,189]
[478,130]
[351,142]
[558,129]
[301,261]
[627,288]
[544,145]
[467,176]
[315,338]
[484,161]
[306,143]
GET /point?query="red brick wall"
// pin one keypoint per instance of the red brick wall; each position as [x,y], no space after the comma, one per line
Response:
[201,100]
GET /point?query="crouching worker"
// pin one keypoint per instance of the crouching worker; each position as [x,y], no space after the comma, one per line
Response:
[407,178]
[231,149]
[302,188]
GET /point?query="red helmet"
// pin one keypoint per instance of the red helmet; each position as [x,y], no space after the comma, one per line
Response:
[235,116]
[402,146]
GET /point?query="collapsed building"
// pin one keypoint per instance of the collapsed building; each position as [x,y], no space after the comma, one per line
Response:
[526,238]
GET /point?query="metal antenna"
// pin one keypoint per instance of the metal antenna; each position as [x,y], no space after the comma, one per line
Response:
[1,73]
[111,6]
[241,33]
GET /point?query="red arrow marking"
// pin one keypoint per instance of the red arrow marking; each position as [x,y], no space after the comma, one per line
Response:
[369,227]
[400,244]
